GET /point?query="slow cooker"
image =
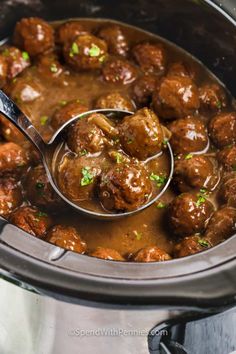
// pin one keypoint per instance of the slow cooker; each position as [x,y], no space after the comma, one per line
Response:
[54,301]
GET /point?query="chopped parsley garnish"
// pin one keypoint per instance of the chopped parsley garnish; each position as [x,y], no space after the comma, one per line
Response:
[165,141]
[54,68]
[43,120]
[161,180]
[83,152]
[129,141]
[94,51]
[118,157]
[201,200]
[203,243]
[203,191]
[188,157]
[74,49]
[25,56]
[41,214]
[218,105]
[102,59]
[39,185]
[138,235]
[87,177]
[160,205]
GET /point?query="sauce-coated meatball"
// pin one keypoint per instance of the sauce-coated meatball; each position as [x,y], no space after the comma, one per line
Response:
[222,129]
[66,112]
[115,38]
[10,132]
[77,177]
[227,157]
[39,190]
[222,225]
[85,135]
[150,56]
[115,100]
[13,158]
[212,98]
[85,52]
[124,188]
[10,195]
[33,35]
[68,31]
[3,70]
[66,237]
[106,253]
[151,254]
[119,71]
[144,88]
[188,135]
[176,97]
[141,134]
[49,66]
[227,192]
[189,214]
[31,220]
[190,245]
[195,172]
[16,61]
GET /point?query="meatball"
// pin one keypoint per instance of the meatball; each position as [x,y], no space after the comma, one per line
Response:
[212,98]
[115,38]
[39,190]
[77,177]
[222,129]
[49,66]
[10,195]
[13,158]
[222,225]
[176,97]
[151,57]
[190,245]
[85,135]
[85,52]
[31,220]
[16,61]
[66,237]
[151,254]
[195,172]
[227,192]
[66,112]
[144,88]
[182,69]
[106,253]
[227,157]
[3,70]
[124,188]
[24,90]
[10,132]
[141,134]
[119,71]
[115,100]
[189,214]
[188,135]
[68,31]
[33,35]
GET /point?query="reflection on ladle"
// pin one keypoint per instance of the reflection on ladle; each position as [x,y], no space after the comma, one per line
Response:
[47,150]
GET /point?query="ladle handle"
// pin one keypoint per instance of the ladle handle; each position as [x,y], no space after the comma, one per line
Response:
[10,110]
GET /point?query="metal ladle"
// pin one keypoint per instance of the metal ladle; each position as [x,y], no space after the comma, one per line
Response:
[11,111]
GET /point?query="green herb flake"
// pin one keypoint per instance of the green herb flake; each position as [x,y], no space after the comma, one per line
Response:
[63,102]
[165,142]
[218,104]
[54,68]
[201,200]
[94,51]
[102,59]
[203,191]
[25,56]
[160,205]
[130,141]
[39,185]
[188,156]
[161,180]
[119,157]
[41,214]
[74,49]
[138,235]
[83,152]
[203,243]
[87,177]
[43,120]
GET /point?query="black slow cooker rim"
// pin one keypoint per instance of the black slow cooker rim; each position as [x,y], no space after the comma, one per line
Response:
[212,286]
